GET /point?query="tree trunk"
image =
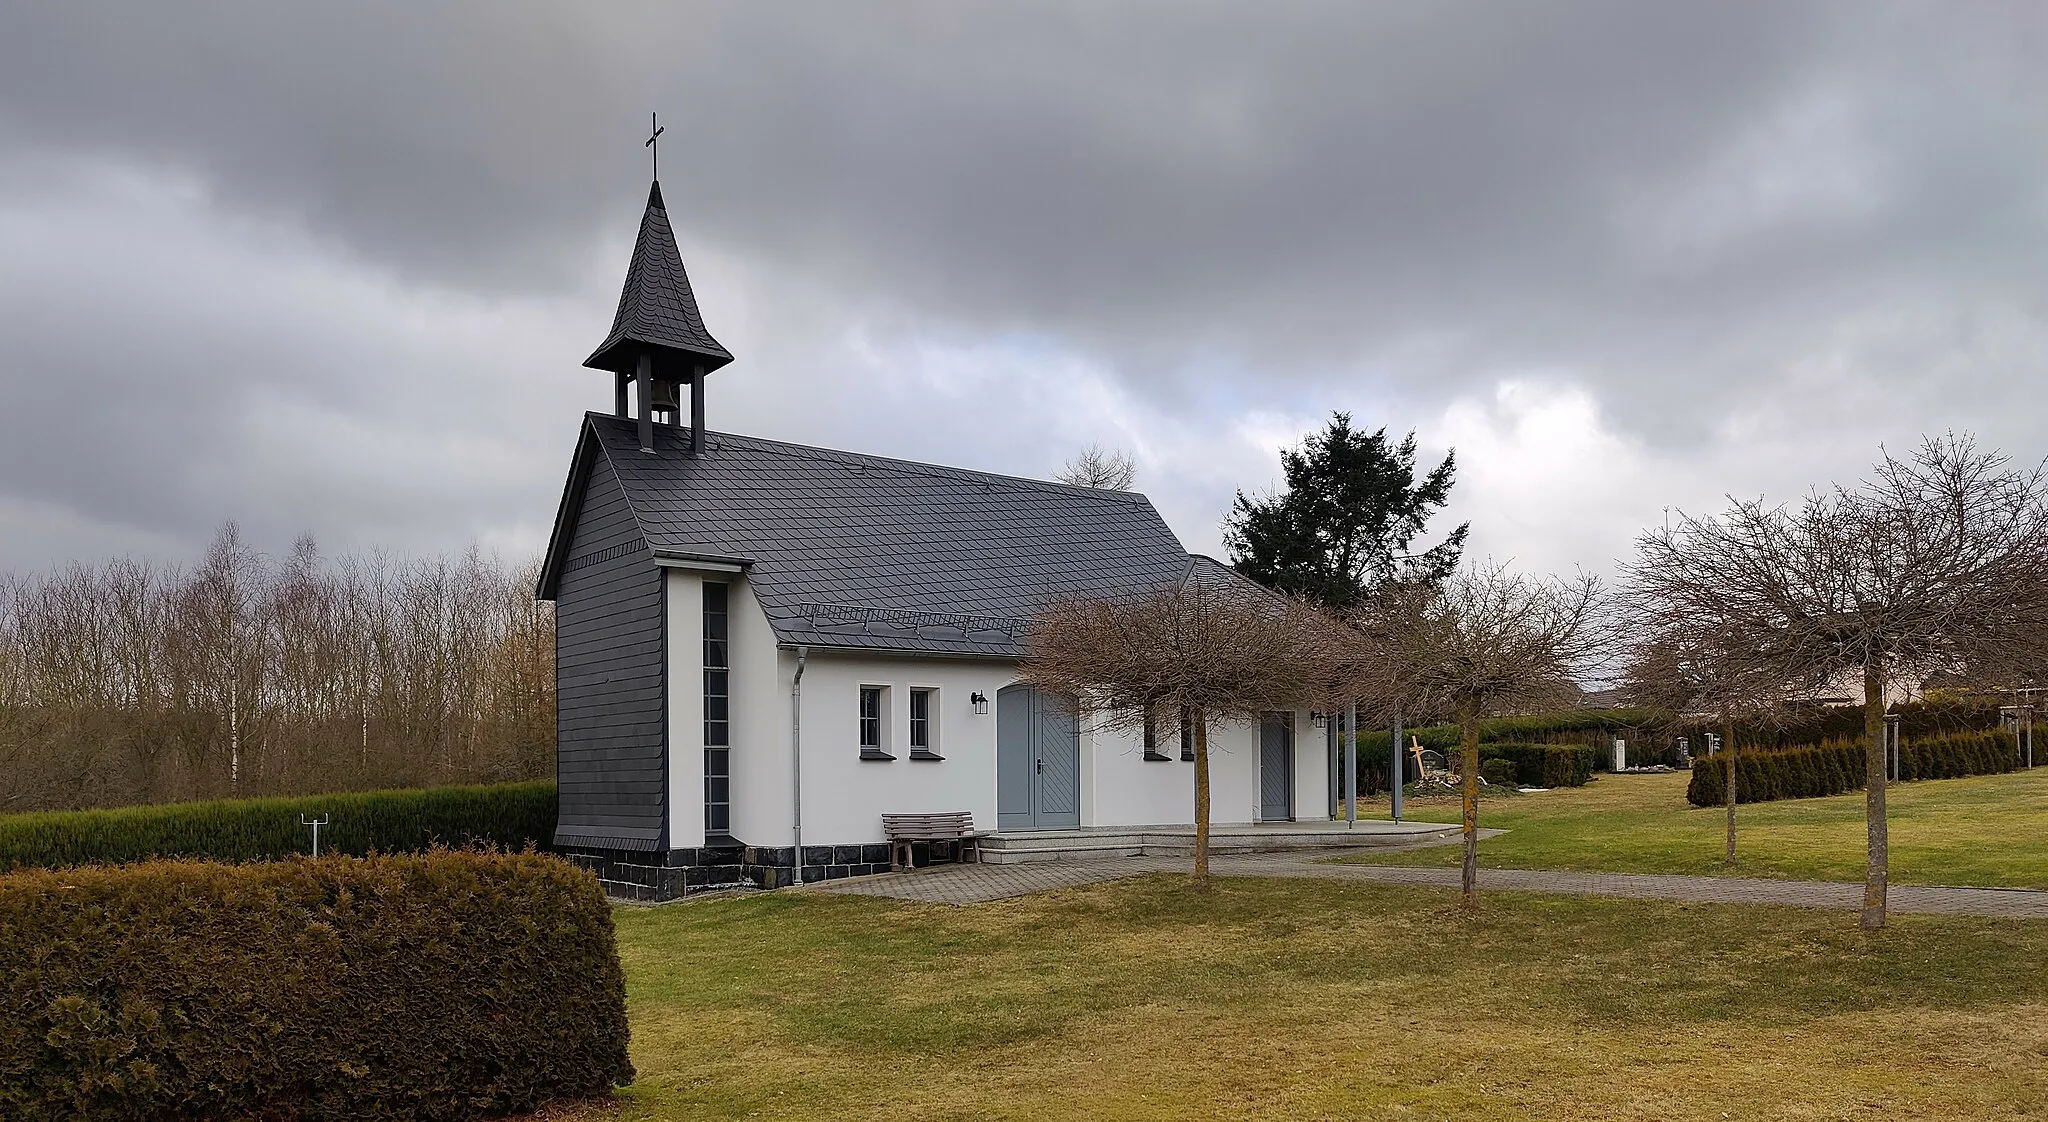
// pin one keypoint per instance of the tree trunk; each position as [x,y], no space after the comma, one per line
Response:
[1468,734]
[1728,742]
[1201,722]
[234,740]
[1877,869]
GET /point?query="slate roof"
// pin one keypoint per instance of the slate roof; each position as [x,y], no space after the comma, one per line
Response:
[1207,572]
[849,550]
[657,311]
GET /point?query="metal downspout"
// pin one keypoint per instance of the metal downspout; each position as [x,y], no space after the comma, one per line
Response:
[796,760]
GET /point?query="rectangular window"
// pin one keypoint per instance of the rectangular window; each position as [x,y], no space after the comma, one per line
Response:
[873,708]
[717,725]
[924,729]
[1187,734]
[1152,751]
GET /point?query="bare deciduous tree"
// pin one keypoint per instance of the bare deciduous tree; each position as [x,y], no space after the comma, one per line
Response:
[1939,563]
[1216,647]
[127,682]
[1486,643]
[1105,469]
[1694,672]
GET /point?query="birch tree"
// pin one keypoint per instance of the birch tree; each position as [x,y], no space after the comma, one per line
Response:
[124,681]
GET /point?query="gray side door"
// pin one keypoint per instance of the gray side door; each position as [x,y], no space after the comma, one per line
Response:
[1276,767]
[1059,766]
[1038,762]
[1015,771]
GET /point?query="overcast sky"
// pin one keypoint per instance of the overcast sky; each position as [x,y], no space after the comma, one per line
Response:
[333,268]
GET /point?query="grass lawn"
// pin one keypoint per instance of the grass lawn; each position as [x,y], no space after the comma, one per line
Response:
[1988,831]
[1308,999]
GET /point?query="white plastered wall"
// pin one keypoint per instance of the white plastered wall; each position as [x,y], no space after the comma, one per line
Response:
[1313,800]
[1122,788]
[685,640]
[762,794]
[846,796]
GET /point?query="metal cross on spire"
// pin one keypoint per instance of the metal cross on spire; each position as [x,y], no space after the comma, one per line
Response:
[654,122]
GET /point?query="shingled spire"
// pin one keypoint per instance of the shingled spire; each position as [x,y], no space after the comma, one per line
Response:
[658,339]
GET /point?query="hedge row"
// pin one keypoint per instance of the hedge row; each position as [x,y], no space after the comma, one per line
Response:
[1576,726]
[510,815]
[1652,734]
[1838,767]
[1543,765]
[439,986]
[1918,720]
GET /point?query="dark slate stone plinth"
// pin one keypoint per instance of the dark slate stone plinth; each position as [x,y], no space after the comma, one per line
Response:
[656,877]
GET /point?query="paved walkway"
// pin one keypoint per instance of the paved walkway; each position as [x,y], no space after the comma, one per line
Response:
[973,884]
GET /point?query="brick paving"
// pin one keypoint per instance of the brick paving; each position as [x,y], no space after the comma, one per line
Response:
[976,884]
[973,884]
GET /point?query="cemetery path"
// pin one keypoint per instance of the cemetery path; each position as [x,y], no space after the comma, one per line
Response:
[973,884]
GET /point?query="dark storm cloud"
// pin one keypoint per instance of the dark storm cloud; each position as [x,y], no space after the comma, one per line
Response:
[1705,216]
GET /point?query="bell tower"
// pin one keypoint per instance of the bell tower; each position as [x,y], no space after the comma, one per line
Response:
[658,343]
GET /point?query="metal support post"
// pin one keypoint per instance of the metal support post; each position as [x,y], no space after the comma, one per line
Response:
[1892,762]
[1397,775]
[697,412]
[316,823]
[646,391]
[1351,765]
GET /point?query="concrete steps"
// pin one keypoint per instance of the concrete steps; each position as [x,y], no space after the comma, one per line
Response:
[1106,842]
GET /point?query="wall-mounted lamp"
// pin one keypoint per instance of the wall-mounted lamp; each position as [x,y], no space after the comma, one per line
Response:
[980,701]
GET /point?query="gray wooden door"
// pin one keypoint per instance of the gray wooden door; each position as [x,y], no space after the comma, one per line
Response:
[1276,767]
[1038,762]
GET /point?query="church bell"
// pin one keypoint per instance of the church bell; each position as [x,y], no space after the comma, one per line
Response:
[667,396]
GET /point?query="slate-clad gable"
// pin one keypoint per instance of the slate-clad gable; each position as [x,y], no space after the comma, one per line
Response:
[860,551]
[610,772]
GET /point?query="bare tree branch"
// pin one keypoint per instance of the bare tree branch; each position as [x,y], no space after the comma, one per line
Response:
[1938,564]
[1486,643]
[1109,469]
[1216,648]
[126,682]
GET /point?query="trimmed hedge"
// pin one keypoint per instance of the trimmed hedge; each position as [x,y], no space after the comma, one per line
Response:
[1838,767]
[511,815]
[1573,727]
[439,986]
[1652,734]
[1543,765]
[1918,720]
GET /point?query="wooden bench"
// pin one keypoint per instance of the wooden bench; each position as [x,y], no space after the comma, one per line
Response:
[955,826]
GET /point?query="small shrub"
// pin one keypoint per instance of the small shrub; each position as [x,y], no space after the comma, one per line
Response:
[435,987]
[1498,772]
[1544,765]
[510,815]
